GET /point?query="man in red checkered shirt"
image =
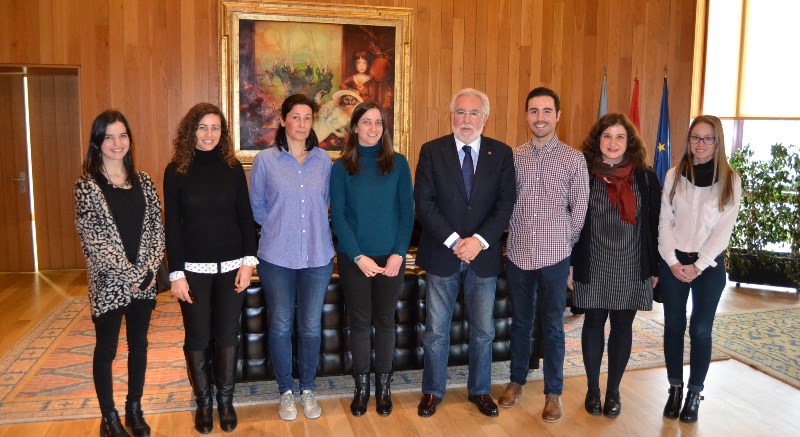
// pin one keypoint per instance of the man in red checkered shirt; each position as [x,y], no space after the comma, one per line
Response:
[552,198]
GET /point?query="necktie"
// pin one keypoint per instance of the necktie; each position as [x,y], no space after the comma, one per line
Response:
[467,169]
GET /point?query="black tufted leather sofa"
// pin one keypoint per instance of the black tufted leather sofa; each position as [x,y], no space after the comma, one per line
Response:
[335,358]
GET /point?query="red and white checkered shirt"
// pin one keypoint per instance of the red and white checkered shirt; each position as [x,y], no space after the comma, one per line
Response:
[552,198]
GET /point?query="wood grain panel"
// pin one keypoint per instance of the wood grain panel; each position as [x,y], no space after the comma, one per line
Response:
[16,247]
[56,161]
[154,59]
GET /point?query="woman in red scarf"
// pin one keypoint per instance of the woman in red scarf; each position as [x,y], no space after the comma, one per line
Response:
[615,261]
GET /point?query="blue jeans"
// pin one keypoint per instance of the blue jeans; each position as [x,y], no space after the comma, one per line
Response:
[287,290]
[440,295]
[706,291]
[548,285]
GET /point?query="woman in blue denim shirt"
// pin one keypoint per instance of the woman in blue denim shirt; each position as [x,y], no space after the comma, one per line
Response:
[289,194]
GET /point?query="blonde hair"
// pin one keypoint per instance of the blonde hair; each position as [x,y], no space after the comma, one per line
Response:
[723,173]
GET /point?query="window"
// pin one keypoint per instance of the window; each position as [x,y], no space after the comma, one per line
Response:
[750,78]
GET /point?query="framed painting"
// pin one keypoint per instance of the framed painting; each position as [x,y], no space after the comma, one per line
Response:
[338,55]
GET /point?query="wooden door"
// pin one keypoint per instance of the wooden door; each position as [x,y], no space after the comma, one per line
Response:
[16,247]
[56,156]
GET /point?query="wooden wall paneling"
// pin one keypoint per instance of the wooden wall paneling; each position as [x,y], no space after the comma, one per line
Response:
[447,84]
[489,49]
[16,250]
[154,59]
[505,119]
[470,64]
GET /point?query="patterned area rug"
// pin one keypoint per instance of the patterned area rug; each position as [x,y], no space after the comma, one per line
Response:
[766,340]
[48,374]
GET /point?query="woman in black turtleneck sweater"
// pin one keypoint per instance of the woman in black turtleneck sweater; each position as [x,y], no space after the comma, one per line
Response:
[118,218]
[211,248]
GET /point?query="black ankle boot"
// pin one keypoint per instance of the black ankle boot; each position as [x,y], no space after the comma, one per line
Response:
[110,426]
[200,377]
[673,407]
[691,407]
[360,395]
[592,402]
[613,406]
[383,393]
[225,372]
[134,419]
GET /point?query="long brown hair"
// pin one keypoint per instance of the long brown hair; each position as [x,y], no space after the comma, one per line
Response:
[350,153]
[723,173]
[186,138]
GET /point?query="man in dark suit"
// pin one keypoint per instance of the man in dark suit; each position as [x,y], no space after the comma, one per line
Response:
[464,194]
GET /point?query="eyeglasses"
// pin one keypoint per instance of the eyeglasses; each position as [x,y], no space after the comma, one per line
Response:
[694,139]
[474,114]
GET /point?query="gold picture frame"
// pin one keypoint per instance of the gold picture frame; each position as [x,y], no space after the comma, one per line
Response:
[269,50]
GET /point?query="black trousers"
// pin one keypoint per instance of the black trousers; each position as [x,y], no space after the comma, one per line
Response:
[620,339]
[370,302]
[107,327]
[215,312]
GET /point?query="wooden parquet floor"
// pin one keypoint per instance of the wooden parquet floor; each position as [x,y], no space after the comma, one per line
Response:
[738,399]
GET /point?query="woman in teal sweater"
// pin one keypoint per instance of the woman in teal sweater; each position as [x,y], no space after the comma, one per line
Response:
[372,207]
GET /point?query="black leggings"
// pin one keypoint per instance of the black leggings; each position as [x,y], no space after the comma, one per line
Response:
[215,312]
[107,327]
[619,345]
[371,302]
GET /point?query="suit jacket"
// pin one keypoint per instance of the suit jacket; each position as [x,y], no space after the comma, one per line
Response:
[442,207]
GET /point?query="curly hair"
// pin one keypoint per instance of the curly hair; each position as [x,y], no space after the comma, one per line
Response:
[635,152]
[350,157]
[186,138]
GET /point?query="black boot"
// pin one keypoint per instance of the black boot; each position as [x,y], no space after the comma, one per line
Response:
[613,406]
[134,419]
[673,407]
[110,426]
[691,407]
[200,377]
[360,395]
[592,402]
[225,372]
[383,393]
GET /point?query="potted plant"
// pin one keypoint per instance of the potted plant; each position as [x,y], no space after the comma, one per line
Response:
[765,245]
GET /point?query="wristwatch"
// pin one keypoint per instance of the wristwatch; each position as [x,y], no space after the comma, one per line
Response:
[357,258]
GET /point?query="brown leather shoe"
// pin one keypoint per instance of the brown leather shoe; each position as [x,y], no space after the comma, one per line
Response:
[485,404]
[427,405]
[552,408]
[510,396]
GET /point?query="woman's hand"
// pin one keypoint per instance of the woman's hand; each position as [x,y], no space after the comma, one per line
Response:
[655,281]
[135,289]
[683,272]
[368,267]
[180,288]
[393,265]
[243,278]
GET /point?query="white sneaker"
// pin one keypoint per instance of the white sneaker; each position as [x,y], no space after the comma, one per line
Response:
[286,409]
[311,408]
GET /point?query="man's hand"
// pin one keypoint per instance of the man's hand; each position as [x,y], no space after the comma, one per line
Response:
[467,249]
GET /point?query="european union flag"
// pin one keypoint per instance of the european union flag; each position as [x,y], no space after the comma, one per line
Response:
[662,159]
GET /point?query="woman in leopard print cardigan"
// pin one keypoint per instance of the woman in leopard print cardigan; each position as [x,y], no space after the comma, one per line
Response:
[118,218]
